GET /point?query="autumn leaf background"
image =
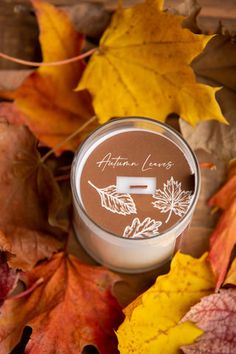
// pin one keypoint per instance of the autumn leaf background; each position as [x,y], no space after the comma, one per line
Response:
[156,63]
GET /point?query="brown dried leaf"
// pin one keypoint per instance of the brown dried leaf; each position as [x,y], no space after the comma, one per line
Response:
[190,9]
[29,246]
[89,18]
[195,239]
[217,66]
[31,201]
[28,192]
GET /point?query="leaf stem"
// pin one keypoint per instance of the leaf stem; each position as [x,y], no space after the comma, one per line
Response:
[170,213]
[91,184]
[52,63]
[27,291]
[71,136]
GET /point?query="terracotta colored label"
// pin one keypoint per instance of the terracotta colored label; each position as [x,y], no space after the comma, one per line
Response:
[134,214]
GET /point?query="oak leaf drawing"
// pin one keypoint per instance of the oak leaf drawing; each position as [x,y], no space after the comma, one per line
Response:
[119,203]
[147,228]
[145,56]
[152,320]
[215,315]
[172,199]
[223,238]
[71,308]
[46,99]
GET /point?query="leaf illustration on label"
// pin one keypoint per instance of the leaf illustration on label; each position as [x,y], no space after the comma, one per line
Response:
[172,199]
[120,203]
[145,229]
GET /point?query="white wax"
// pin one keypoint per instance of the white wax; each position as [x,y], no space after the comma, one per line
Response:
[126,255]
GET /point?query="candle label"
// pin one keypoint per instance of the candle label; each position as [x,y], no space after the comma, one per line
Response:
[110,161]
[134,161]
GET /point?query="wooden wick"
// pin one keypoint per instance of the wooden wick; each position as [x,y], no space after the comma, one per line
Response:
[143,187]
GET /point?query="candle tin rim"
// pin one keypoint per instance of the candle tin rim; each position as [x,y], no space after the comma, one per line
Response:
[196,192]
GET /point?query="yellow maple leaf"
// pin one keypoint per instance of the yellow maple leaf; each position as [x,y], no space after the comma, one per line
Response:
[152,321]
[142,68]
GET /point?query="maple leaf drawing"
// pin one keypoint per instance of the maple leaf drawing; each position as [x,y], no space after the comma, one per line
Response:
[119,203]
[147,228]
[172,199]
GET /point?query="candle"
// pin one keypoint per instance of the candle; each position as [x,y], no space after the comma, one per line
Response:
[135,183]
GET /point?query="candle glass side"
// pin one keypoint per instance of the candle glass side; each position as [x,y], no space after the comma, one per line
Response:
[114,251]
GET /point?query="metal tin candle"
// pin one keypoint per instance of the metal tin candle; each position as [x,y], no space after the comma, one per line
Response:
[135,183]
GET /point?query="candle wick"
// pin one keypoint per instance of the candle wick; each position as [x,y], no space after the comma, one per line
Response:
[139,186]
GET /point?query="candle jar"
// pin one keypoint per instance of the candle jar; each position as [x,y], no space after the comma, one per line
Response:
[135,183]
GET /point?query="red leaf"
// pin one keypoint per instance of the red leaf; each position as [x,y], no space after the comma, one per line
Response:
[8,277]
[216,316]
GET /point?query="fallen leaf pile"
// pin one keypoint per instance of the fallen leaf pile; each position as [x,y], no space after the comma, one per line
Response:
[147,62]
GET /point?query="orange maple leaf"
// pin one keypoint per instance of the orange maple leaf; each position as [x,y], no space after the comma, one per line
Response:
[72,307]
[223,238]
[47,99]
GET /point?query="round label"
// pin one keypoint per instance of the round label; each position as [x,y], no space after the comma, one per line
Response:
[136,184]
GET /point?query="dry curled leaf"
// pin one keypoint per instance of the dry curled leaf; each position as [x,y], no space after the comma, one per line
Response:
[223,238]
[72,307]
[215,315]
[148,68]
[190,9]
[51,109]
[31,201]
[90,18]
[29,246]
[151,323]
[217,66]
